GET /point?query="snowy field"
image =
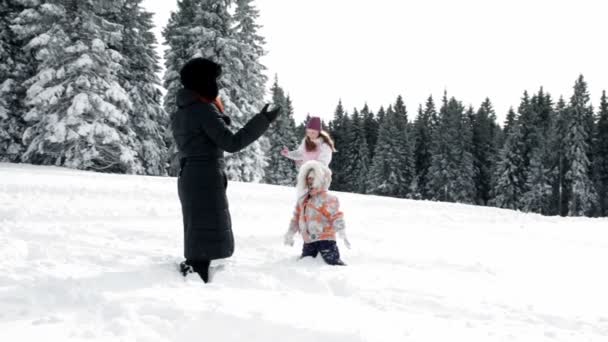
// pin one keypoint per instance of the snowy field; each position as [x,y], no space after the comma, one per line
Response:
[92,257]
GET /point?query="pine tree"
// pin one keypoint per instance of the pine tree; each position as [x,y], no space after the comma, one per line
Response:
[423,143]
[528,123]
[370,126]
[77,109]
[509,122]
[405,148]
[484,150]
[138,76]
[358,163]
[280,170]
[583,195]
[558,161]
[203,28]
[451,172]
[15,68]
[338,132]
[380,116]
[538,186]
[601,156]
[510,173]
[537,196]
[384,176]
[542,106]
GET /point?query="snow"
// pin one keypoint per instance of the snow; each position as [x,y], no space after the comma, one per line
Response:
[80,105]
[87,256]
[83,62]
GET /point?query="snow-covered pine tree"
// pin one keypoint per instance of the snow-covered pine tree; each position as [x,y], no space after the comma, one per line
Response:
[558,162]
[510,173]
[371,129]
[542,106]
[451,171]
[77,109]
[538,193]
[249,91]
[280,170]
[583,195]
[384,175]
[405,148]
[423,143]
[485,130]
[338,131]
[138,77]
[15,68]
[528,123]
[601,156]
[509,122]
[538,189]
[358,163]
[380,116]
[205,28]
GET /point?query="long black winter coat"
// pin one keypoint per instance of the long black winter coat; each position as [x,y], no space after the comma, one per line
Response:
[202,135]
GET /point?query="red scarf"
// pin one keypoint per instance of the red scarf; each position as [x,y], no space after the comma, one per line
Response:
[217,102]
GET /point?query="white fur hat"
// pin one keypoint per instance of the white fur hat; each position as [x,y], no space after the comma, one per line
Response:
[322,176]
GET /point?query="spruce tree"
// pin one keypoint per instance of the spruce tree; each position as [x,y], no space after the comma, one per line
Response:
[78,112]
[138,76]
[509,121]
[601,156]
[528,123]
[15,68]
[371,129]
[358,163]
[280,170]
[558,161]
[384,176]
[337,130]
[405,148]
[583,195]
[451,172]
[537,197]
[484,150]
[510,172]
[423,144]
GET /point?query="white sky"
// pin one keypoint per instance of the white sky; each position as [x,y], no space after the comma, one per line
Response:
[324,50]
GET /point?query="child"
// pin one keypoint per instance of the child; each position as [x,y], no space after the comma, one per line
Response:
[317,145]
[317,216]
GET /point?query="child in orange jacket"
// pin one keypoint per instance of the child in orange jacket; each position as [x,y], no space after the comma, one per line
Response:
[317,216]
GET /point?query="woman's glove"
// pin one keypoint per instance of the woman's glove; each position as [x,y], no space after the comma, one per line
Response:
[271,115]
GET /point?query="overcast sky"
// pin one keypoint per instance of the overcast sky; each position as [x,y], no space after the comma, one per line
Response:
[371,51]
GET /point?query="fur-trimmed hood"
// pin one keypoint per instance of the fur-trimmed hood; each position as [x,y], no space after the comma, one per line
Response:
[322,176]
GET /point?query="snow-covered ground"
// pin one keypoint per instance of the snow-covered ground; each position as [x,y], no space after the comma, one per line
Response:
[92,257]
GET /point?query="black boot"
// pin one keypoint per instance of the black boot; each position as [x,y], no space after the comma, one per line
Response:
[202,268]
[185,268]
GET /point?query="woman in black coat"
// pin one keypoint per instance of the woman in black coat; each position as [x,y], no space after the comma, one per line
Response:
[200,130]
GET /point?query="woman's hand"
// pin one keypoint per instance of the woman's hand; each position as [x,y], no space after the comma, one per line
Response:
[271,115]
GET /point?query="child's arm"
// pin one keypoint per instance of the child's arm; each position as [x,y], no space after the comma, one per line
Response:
[326,154]
[336,218]
[297,154]
[293,227]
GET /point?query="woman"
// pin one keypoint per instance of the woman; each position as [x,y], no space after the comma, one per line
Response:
[200,130]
